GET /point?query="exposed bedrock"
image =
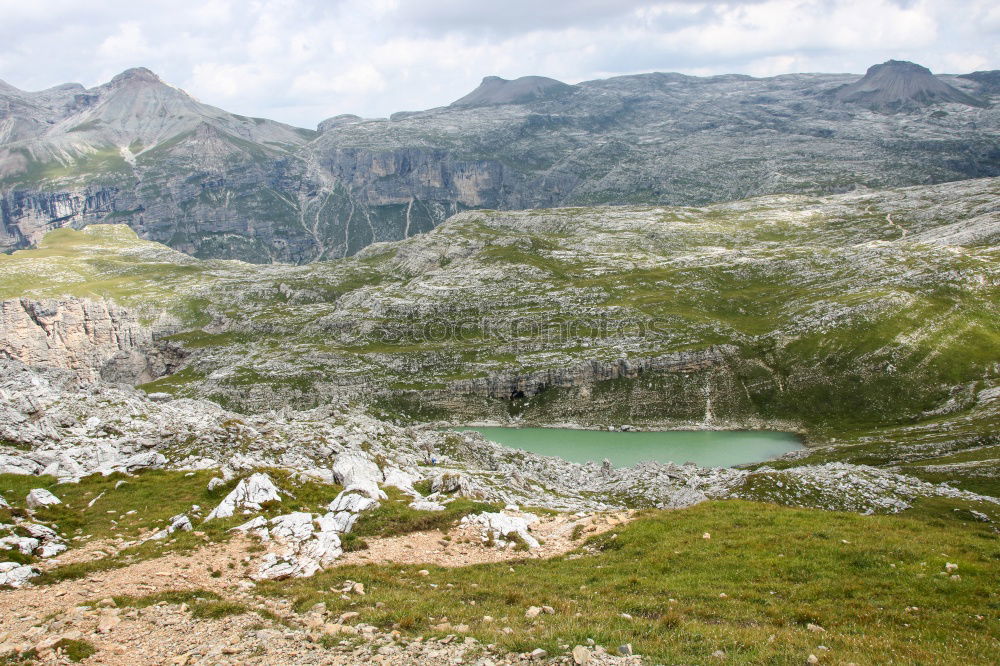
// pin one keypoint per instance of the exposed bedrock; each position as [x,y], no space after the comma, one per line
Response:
[94,339]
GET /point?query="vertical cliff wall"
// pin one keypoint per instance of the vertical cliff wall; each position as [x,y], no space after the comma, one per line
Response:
[94,339]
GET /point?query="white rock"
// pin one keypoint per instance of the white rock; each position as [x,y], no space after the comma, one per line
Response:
[16,575]
[296,526]
[256,526]
[40,497]
[302,549]
[342,521]
[353,501]
[427,505]
[356,472]
[215,482]
[24,545]
[249,493]
[500,525]
[397,478]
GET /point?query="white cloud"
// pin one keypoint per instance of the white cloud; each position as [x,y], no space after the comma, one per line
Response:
[303,60]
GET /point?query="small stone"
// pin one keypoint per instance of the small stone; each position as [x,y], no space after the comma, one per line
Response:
[812,659]
[815,628]
[625,650]
[718,654]
[706,535]
[950,567]
[423,572]
[548,610]
[107,623]
[533,611]
[538,654]
[723,595]
[107,602]
[581,655]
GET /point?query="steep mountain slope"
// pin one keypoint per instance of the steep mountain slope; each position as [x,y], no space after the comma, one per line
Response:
[139,151]
[897,86]
[215,184]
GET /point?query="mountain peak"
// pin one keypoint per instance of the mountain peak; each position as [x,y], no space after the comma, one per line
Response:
[900,85]
[497,90]
[136,75]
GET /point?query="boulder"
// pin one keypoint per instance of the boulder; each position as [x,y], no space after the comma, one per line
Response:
[40,497]
[15,574]
[397,478]
[342,521]
[24,545]
[353,501]
[49,541]
[302,547]
[250,493]
[147,460]
[356,472]
[501,526]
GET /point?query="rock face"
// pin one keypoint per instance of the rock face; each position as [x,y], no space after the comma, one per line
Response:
[93,339]
[248,495]
[896,86]
[214,184]
[515,385]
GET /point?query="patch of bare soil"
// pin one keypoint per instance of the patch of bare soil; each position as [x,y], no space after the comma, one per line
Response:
[37,618]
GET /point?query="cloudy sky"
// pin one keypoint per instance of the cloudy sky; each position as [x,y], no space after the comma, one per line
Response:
[300,61]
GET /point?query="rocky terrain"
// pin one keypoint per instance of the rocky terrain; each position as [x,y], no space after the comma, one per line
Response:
[823,315]
[337,470]
[140,152]
[279,486]
[94,339]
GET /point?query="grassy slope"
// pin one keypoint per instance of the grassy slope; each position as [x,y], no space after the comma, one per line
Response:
[155,496]
[780,568]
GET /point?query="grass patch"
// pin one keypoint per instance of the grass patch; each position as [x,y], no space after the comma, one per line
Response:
[202,604]
[75,650]
[394,516]
[146,502]
[780,569]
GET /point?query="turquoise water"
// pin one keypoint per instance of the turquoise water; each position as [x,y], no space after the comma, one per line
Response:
[708,448]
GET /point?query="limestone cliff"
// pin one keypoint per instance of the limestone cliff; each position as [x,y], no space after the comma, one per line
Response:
[94,339]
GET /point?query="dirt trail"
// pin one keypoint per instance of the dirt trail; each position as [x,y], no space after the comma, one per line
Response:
[888,218]
[35,617]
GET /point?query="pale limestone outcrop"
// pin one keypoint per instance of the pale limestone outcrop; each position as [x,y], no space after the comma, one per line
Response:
[503,527]
[249,494]
[39,497]
[93,339]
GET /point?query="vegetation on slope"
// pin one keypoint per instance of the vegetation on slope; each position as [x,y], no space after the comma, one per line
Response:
[877,586]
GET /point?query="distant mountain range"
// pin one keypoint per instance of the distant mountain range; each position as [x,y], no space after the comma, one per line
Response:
[215,184]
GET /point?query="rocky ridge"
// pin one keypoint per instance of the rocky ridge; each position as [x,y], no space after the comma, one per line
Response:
[216,184]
